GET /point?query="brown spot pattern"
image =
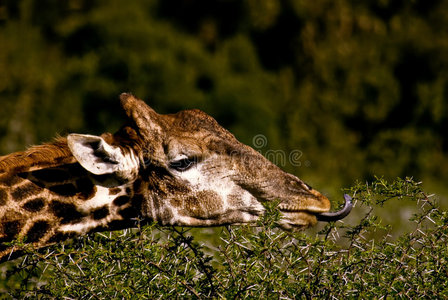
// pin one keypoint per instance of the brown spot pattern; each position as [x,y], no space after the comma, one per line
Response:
[134,210]
[100,213]
[66,211]
[25,191]
[114,191]
[10,179]
[34,205]
[120,201]
[10,230]
[66,190]
[86,188]
[37,231]
[128,213]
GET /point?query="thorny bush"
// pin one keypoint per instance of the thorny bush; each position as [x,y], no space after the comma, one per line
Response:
[343,260]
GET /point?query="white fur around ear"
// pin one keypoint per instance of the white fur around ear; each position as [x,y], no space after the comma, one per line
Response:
[96,155]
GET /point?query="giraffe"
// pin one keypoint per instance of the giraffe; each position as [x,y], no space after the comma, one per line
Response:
[177,169]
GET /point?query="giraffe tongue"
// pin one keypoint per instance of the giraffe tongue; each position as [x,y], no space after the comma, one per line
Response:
[334,216]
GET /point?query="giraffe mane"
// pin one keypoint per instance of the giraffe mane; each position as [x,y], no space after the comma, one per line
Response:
[37,157]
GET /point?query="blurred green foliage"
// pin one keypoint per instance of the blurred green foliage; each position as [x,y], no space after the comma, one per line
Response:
[358,87]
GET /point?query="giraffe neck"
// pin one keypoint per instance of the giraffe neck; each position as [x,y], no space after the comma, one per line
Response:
[53,198]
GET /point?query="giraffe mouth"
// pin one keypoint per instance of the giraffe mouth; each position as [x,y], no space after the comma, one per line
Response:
[301,218]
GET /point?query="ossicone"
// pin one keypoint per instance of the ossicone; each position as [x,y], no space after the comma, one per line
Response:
[143,116]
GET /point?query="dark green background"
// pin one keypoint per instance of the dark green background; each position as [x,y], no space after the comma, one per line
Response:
[358,87]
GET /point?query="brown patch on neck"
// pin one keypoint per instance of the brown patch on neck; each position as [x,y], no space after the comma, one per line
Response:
[37,157]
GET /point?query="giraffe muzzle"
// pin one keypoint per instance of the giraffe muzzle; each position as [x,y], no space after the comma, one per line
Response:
[335,216]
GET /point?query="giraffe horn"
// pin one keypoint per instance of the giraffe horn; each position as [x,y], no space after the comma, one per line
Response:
[334,216]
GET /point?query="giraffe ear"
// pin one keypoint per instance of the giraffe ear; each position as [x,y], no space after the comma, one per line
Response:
[95,154]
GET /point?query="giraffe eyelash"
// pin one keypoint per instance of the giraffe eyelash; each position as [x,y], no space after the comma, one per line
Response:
[183,164]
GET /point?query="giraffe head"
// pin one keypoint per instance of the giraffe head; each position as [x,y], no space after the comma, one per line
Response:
[179,169]
[185,169]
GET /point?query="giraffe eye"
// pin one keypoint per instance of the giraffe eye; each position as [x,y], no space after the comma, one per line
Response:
[308,186]
[183,164]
